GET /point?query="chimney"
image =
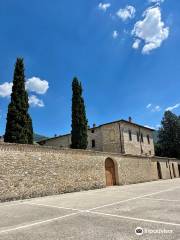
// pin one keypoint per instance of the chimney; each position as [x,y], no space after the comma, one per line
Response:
[130,119]
[94,125]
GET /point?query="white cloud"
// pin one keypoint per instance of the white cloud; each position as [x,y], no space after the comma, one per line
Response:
[151,29]
[115,34]
[156,109]
[127,12]
[149,105]
[35,102]
[37,85]
[5,89]
[104,6]
[173,107]
[136,43]
[153,108]
[156,1]
[33,85]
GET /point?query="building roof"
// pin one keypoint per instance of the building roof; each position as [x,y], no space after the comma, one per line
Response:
[118,121]
[125,121]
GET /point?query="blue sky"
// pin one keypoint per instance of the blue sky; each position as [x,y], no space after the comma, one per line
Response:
[126,53]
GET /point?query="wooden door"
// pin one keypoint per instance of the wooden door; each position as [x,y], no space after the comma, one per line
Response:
[179,169]
[159,170]
[110,172]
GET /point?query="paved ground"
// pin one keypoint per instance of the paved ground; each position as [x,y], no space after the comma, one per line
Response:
[111,213]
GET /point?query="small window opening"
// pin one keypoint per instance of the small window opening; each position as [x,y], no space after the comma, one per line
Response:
[130,135]
[93,143]
[148,139]
[137,137]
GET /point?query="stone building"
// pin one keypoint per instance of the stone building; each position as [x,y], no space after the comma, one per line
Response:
[124,137]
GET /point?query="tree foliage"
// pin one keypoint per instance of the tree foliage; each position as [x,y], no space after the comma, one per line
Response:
[169,136]
[19,124]
[79,120]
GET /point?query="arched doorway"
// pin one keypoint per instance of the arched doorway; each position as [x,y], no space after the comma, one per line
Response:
[174,172]
[110,172]
[170,170]
[159,170]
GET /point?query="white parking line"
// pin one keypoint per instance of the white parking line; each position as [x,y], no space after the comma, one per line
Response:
[52,206]
[162,199]
[37,223]
[107,205]
[131,199]
[88,211]
[136,219]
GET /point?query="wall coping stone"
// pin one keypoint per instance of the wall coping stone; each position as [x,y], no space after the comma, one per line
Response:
[52,149]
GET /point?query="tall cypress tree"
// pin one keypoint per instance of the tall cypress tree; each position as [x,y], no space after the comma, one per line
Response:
[79,120]
[19,124]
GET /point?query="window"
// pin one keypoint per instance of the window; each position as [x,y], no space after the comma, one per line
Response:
[130,135]
[149,152]
[142,139]
[42,142]
[92,130]
[137,137]
[93,143]
[148,139]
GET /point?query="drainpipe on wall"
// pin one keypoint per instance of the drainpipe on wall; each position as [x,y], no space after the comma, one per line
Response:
[140,141]
[120,136]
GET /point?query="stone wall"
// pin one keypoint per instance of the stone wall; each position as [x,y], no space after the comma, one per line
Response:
[36,171]
[169,167]
[133,169]
[111,138]
[134,147]
[32,171]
